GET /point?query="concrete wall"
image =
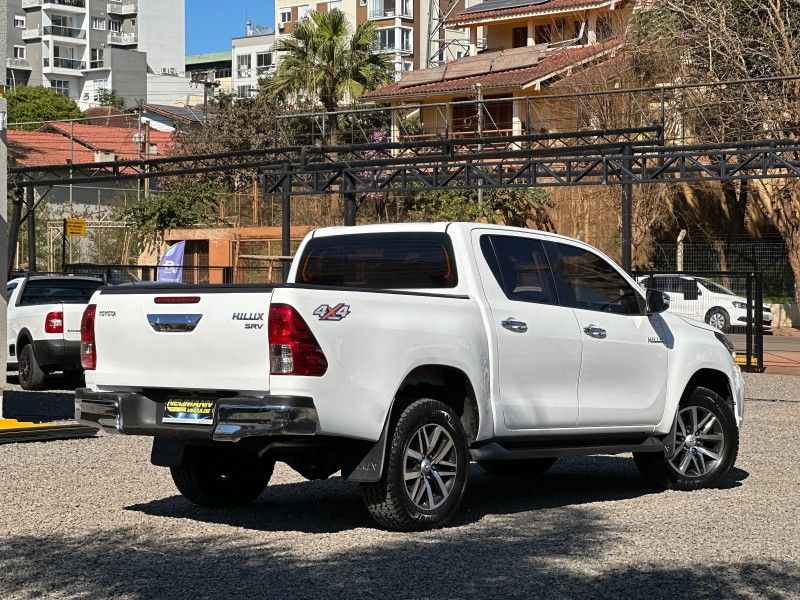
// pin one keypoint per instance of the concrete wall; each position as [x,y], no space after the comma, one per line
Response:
[128,74]
[161,29]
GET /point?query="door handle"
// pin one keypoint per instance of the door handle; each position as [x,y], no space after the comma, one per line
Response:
[595,331]
[514,325]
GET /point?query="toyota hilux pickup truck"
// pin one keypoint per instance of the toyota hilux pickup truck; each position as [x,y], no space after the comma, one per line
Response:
[398,354]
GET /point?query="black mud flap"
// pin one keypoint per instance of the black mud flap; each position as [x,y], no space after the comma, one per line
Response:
[167,452]
[366,466]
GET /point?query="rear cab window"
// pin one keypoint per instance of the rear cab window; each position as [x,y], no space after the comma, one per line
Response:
[380,261]
[55,291]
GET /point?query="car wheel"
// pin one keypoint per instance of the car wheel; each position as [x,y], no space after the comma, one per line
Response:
[517,468]
[718,318]
[706,445]
[219,477]
[31,376]
[426,474]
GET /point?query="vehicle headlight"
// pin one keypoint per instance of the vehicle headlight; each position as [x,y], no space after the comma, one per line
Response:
[742,305]
[727,343]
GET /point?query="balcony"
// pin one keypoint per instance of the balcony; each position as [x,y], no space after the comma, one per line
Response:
[265,71]
[117,8]
[73,6]
[21,64]
[122,39]
[32,33]
[392,49]
[389,9]
[63,64]
[29,4]
[67,34]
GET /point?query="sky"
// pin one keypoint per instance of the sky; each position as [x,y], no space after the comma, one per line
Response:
[210,24]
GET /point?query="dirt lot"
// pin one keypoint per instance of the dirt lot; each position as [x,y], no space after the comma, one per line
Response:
[91,518]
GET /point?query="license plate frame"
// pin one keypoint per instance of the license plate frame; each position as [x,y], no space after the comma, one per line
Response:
[189,410]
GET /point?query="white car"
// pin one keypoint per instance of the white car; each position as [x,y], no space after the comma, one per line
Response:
[705,300]
[398,353]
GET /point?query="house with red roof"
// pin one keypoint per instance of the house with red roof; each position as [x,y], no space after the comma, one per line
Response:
[519,49]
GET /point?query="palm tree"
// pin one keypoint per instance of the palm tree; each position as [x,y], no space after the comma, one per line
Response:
[321,63]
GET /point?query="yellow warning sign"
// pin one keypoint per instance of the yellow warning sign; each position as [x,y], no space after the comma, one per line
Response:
[75,227]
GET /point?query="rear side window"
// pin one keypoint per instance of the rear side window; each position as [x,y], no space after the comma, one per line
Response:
[521,268]
[589,282]
[51,291]
[380,260]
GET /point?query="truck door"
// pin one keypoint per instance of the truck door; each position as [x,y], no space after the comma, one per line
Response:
[538,344]
[624,368]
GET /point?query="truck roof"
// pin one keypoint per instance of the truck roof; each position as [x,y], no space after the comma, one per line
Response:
[438,227]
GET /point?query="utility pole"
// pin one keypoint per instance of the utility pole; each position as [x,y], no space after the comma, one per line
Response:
[3,201]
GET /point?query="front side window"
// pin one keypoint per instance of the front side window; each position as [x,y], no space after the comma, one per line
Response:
[589,282]
[380,261]
[520,267]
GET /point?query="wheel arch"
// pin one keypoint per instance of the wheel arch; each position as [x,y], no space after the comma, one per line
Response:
[715,380]
[24,338]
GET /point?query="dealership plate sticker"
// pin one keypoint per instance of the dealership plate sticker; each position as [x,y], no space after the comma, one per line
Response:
[189,410]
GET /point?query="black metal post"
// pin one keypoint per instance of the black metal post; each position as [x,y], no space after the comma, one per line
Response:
[759,318]
[286,221]
[31,229]
[349,202]
[64,246]
[13,229]
[748,327]
[627,209]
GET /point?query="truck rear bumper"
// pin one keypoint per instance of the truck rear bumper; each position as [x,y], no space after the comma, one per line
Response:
[234,418]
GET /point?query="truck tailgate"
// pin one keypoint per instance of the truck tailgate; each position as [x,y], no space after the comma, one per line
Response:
[72,321]
[208,341]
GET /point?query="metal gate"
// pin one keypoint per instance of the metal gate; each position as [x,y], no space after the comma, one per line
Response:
[732,301]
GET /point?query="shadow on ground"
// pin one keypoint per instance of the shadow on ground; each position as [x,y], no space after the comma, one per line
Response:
[50,404]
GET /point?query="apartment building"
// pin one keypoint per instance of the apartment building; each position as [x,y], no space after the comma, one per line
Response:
[81,47]
[251,60]
[412,32]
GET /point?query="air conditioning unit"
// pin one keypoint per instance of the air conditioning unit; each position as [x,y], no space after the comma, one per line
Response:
[281,26]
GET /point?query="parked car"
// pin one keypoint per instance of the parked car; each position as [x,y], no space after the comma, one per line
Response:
[398,353]
[705,300]
[43,325]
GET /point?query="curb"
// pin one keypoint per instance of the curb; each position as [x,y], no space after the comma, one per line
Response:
[15,432]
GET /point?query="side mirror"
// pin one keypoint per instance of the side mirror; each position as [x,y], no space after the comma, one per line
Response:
[657,302]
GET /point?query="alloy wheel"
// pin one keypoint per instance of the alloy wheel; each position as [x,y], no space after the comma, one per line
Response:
[699,442]
[717,320]
[430,465]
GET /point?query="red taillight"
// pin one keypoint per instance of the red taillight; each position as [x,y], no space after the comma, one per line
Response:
[88,347]
[54,322]
[293,349]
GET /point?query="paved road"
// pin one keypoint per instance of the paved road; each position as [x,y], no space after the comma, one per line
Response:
[91,518]
[781,353]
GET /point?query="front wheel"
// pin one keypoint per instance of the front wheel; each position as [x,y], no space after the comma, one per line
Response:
[706,445]
[426,473]
[219,477]
[719,318]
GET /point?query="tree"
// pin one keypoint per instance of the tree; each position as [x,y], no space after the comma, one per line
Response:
[38,104]
[725,40]
[323,64]
[111,98]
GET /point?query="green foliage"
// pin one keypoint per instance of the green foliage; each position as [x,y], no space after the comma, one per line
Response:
[186,206]
[111,98]
[323,63]
[27,104]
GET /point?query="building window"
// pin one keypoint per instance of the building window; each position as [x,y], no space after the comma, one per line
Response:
[386,38]
[541,34]
[96,59]
[61,86]
[244,91]
[519,37]
[243,65]
[302,11]
[263,63]
[405,38]
[133,23]
[286,15]
[19,21]
[19,52]
[114,25]
[98,24]
[408,65]
[604,28]
[334,5]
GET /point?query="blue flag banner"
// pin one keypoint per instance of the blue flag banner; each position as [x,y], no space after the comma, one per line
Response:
[171,266]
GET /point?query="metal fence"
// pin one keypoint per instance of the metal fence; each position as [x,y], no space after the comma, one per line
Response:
[270,271]
[731,301]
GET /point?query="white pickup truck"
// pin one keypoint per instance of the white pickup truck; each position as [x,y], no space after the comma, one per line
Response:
[44,325]
[397,354]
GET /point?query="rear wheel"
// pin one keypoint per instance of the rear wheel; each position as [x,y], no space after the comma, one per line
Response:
[719,318]
[218,477]
[517,468]
[426,473]
[706,445]
[31,376]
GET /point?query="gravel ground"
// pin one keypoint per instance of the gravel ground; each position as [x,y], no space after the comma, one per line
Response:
[93,519]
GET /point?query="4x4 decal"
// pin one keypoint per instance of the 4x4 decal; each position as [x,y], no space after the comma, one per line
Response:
[332,313]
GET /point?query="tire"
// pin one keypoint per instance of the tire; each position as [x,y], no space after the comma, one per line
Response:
[693,467]
[429,441]
[719,318]
[31,376]
[517,468]
[220,477]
